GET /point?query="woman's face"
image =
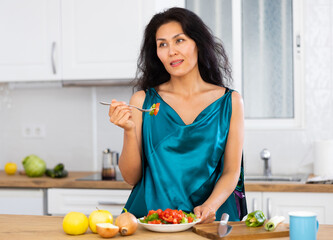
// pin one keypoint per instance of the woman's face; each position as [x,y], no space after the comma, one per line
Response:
[177,52]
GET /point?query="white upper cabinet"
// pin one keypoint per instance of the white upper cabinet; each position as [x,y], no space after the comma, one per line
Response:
[101,39]
[30,38]
[73,39]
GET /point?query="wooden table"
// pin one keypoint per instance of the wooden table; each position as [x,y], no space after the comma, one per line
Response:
[26,227]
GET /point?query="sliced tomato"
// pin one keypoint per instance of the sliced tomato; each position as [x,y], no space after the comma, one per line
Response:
[157,108]
[167,215]
[159,212]
[168,219]
[170,216]
[156,221]
[151,212]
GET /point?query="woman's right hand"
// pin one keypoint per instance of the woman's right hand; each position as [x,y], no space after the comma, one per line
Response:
[121,115]
[130,163]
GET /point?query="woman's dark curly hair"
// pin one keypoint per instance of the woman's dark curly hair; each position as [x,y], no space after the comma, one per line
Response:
[213,62]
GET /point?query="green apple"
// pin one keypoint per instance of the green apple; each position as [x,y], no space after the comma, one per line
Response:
[99,216]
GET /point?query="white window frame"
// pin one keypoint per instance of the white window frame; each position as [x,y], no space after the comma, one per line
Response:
[273,124]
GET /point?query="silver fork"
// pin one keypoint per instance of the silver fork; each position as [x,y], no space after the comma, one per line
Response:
[140,109]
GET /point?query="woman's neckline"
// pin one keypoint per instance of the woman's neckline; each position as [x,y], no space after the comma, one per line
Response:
[177,114]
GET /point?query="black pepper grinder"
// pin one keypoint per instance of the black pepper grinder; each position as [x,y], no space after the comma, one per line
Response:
[108,170]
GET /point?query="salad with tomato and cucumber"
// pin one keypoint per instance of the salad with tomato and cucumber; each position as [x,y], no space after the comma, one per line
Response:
[168,216]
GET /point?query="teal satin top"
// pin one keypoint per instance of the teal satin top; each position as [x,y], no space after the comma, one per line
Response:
[181,163]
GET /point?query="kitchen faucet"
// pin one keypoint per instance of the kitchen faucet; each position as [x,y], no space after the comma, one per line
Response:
[266,156]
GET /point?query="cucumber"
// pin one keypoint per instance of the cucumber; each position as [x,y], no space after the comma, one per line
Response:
[57,172]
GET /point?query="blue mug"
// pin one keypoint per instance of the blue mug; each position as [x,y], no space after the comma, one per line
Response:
[303,225]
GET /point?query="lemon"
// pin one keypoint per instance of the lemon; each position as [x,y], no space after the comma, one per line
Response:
[10,168]
[75,223]
[99,216]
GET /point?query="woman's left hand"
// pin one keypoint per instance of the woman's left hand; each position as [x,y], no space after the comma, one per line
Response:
[205,213]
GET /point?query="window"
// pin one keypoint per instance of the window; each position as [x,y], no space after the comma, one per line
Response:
[263,41]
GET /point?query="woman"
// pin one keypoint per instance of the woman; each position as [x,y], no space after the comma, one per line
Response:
[188,156]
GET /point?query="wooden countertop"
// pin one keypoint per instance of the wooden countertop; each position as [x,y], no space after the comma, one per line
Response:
[287,187]
[25,227]
[21,181]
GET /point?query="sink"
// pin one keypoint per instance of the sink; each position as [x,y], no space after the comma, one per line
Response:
[297,178]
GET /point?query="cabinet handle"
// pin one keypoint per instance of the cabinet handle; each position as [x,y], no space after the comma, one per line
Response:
[53,61]
[269,208]
[298,44]
[254,204]
[111,203]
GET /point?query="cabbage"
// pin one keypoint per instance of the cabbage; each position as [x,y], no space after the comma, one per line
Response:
[34,166]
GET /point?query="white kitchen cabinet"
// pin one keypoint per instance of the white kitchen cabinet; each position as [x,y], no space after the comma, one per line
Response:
[30,39]
[101,39]
[61,201]
[22,201]
[73,39]
[253,201]
[280,203]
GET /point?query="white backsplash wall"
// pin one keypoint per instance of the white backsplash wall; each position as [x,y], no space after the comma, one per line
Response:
[108,134]
[78,128]
[66,115]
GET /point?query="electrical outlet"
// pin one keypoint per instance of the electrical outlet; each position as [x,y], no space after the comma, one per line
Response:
[39,131]
[33,131]
[27,131]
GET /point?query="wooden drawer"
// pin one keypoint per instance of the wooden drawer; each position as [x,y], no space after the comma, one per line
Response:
[61,201]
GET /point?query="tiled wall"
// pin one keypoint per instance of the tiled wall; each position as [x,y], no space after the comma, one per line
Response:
[77,127]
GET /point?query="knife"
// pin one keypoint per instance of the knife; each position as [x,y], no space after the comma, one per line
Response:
[224,229]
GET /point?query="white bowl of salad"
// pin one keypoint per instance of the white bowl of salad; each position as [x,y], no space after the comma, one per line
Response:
[168,220]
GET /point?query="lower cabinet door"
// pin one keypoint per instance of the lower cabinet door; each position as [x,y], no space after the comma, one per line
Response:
[253,201]
[62,201]
[277,203]
[22,201]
